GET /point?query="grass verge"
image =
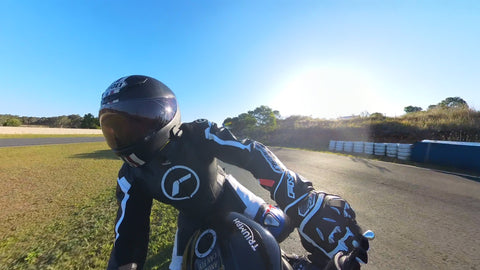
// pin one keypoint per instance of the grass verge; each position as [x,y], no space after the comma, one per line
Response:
[28,136]
[58,209]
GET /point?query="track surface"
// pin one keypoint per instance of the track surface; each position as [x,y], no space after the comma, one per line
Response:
[423,219]
[41,141]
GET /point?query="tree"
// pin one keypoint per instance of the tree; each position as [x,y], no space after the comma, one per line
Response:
[28,120]
[75,120]
[262,118]
[410,109]
[265,116]
[453,102]
[62,121]
[90,121]
[5,117]
[13,122]
[240,123]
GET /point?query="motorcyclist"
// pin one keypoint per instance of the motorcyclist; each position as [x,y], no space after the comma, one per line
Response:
[176,163]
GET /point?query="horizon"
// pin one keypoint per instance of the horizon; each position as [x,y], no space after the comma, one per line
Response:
[282,117]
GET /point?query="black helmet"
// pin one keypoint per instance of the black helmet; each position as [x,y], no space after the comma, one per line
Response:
[137,115]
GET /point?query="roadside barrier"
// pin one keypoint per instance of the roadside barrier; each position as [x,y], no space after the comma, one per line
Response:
[379,149]
[348,147]
[461,155]
[339,146]
[358,147]
[404,151]
[392,149]
[369,148]
[395,150]
[331,146]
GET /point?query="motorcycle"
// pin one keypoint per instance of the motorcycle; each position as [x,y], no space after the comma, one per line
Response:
[232,241]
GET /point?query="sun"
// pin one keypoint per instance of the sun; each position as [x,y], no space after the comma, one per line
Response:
[324,92]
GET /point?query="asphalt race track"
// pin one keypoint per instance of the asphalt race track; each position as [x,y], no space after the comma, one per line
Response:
[422,219]
[41,141]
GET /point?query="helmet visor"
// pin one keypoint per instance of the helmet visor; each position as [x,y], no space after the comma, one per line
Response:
[126,123]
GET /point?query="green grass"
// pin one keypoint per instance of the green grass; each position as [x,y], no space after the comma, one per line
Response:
[58,209]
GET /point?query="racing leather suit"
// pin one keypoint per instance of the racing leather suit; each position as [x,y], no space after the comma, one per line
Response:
[185,175]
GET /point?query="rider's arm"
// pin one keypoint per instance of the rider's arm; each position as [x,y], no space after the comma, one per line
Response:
[285,186]
[132,225]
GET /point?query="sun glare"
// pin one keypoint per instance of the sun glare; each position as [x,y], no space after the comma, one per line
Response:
[324,93]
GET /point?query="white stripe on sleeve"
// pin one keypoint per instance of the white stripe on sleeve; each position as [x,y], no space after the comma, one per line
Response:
[125,187]
[213,137]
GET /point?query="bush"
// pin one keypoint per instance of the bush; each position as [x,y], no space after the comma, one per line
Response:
[12,122]
[90,121]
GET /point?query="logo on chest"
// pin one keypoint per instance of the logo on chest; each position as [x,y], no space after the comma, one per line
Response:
[180,183]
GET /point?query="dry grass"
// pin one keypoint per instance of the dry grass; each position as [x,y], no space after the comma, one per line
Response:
[46,130]
[454,118]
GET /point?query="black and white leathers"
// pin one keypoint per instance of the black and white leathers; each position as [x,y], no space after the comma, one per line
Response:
[185,174]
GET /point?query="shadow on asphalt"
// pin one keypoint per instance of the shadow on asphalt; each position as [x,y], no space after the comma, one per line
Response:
[99,154]
[462,175]
[369,164]
[469,175]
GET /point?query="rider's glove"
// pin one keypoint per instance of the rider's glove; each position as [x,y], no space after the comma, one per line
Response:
[329,226]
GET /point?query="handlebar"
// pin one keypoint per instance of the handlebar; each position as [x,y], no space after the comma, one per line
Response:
[348,261]
[341,260]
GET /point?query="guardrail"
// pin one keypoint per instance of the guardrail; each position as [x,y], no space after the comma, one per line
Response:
[395,150]
[461,155]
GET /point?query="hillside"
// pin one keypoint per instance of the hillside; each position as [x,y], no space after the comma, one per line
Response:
[453,124]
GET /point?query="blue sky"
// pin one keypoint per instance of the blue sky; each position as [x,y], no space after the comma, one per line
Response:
[222,58]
